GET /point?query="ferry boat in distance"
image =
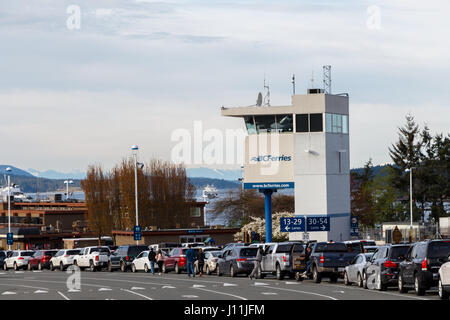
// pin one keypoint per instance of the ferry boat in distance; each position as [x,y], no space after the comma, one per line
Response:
[15,192]
[210,192]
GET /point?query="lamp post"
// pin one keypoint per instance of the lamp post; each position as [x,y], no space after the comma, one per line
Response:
[410,170]
[67,182]
[9,203]
[135,149]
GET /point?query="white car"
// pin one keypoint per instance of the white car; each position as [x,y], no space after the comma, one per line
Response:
[141,262]
[18,259]
[354,271]
[63,258]
[211,258]
[93,258]
[444,280]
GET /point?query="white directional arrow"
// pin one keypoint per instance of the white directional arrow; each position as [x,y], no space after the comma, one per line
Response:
[137,288]
[40,291]
[8,293]
[323,227]
[287,228]
[269,293]
[229,285]
[260,284]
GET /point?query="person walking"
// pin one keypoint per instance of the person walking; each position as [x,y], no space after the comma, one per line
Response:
[190,259]
[152,259]
[160,261]
[200,261]
[308,262]
[257,263]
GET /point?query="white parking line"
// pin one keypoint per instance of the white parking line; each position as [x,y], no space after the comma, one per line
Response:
[189,296]
[40,291]
[305,292]
[8,293]
[223,293]
[63,296]
[269,293]
[138,294]
[137,288]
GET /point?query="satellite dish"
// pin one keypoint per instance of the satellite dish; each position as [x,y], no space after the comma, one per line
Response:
[259,100]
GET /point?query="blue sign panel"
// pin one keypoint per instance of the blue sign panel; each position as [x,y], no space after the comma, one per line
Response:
[9,238]
[137,233]
[268,185]
[296,224]
[354,233]
[318,224]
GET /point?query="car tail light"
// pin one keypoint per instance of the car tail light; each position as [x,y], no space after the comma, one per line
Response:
[127,258]
[96,258]
[284,259]
[241,260]
[322,259]
[424,264]
[20,258]
[390,264]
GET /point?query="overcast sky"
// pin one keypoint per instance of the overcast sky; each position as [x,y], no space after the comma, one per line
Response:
[135,71]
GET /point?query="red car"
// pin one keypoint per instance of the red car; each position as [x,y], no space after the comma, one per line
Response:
[176,260]
[41,259]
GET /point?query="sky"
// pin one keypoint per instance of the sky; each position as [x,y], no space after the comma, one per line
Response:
[83,81]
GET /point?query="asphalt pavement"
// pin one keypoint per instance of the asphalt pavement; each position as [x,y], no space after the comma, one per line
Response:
[86,285]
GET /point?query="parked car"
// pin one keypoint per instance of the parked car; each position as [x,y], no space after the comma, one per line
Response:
[141,262]
[18,259]
[41,259]
[329,259]
[444,280]
[63,259]
[277,260]
[176,260]
[354,271]
[3,255]
[123,257]
[236,261]
[381,271]
[211,258]
[94,258]
[420,269]
[233,245]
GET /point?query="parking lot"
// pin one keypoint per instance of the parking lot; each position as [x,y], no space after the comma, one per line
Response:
[52,285]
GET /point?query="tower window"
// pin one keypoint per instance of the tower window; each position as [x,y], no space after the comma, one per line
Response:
[302,124]
[316,122]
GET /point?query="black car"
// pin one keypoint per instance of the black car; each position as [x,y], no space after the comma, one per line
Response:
[236,261]
[124,256]
[3,255]
[381,271]
[420,268]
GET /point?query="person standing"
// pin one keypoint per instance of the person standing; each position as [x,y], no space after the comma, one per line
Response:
[152,259]
[201,261]
[160,261]
[257,263]
[190,259]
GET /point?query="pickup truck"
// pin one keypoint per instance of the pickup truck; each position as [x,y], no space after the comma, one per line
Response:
[329,259]
[94,258]
[276,259]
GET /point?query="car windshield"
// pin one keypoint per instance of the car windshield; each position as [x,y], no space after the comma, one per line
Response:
[284,248]
[100,250]
[397,252]
[439,249]
[248,252]
[27,253]
[214,253]
[73,252]
[2,254]
[49,253]
[368,255]
[331,247]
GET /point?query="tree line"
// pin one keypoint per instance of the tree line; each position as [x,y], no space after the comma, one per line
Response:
[164,193]
[385,196]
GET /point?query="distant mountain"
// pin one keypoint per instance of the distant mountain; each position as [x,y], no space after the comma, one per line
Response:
[14,171]
[231,175]
[52,174]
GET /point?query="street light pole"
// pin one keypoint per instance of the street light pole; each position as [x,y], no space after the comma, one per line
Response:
[410,204]
[135,148]
[67,186]
[9,203]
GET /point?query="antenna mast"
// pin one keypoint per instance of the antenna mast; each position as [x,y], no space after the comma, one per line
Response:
[293,84]
[267,97]
[327,79]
